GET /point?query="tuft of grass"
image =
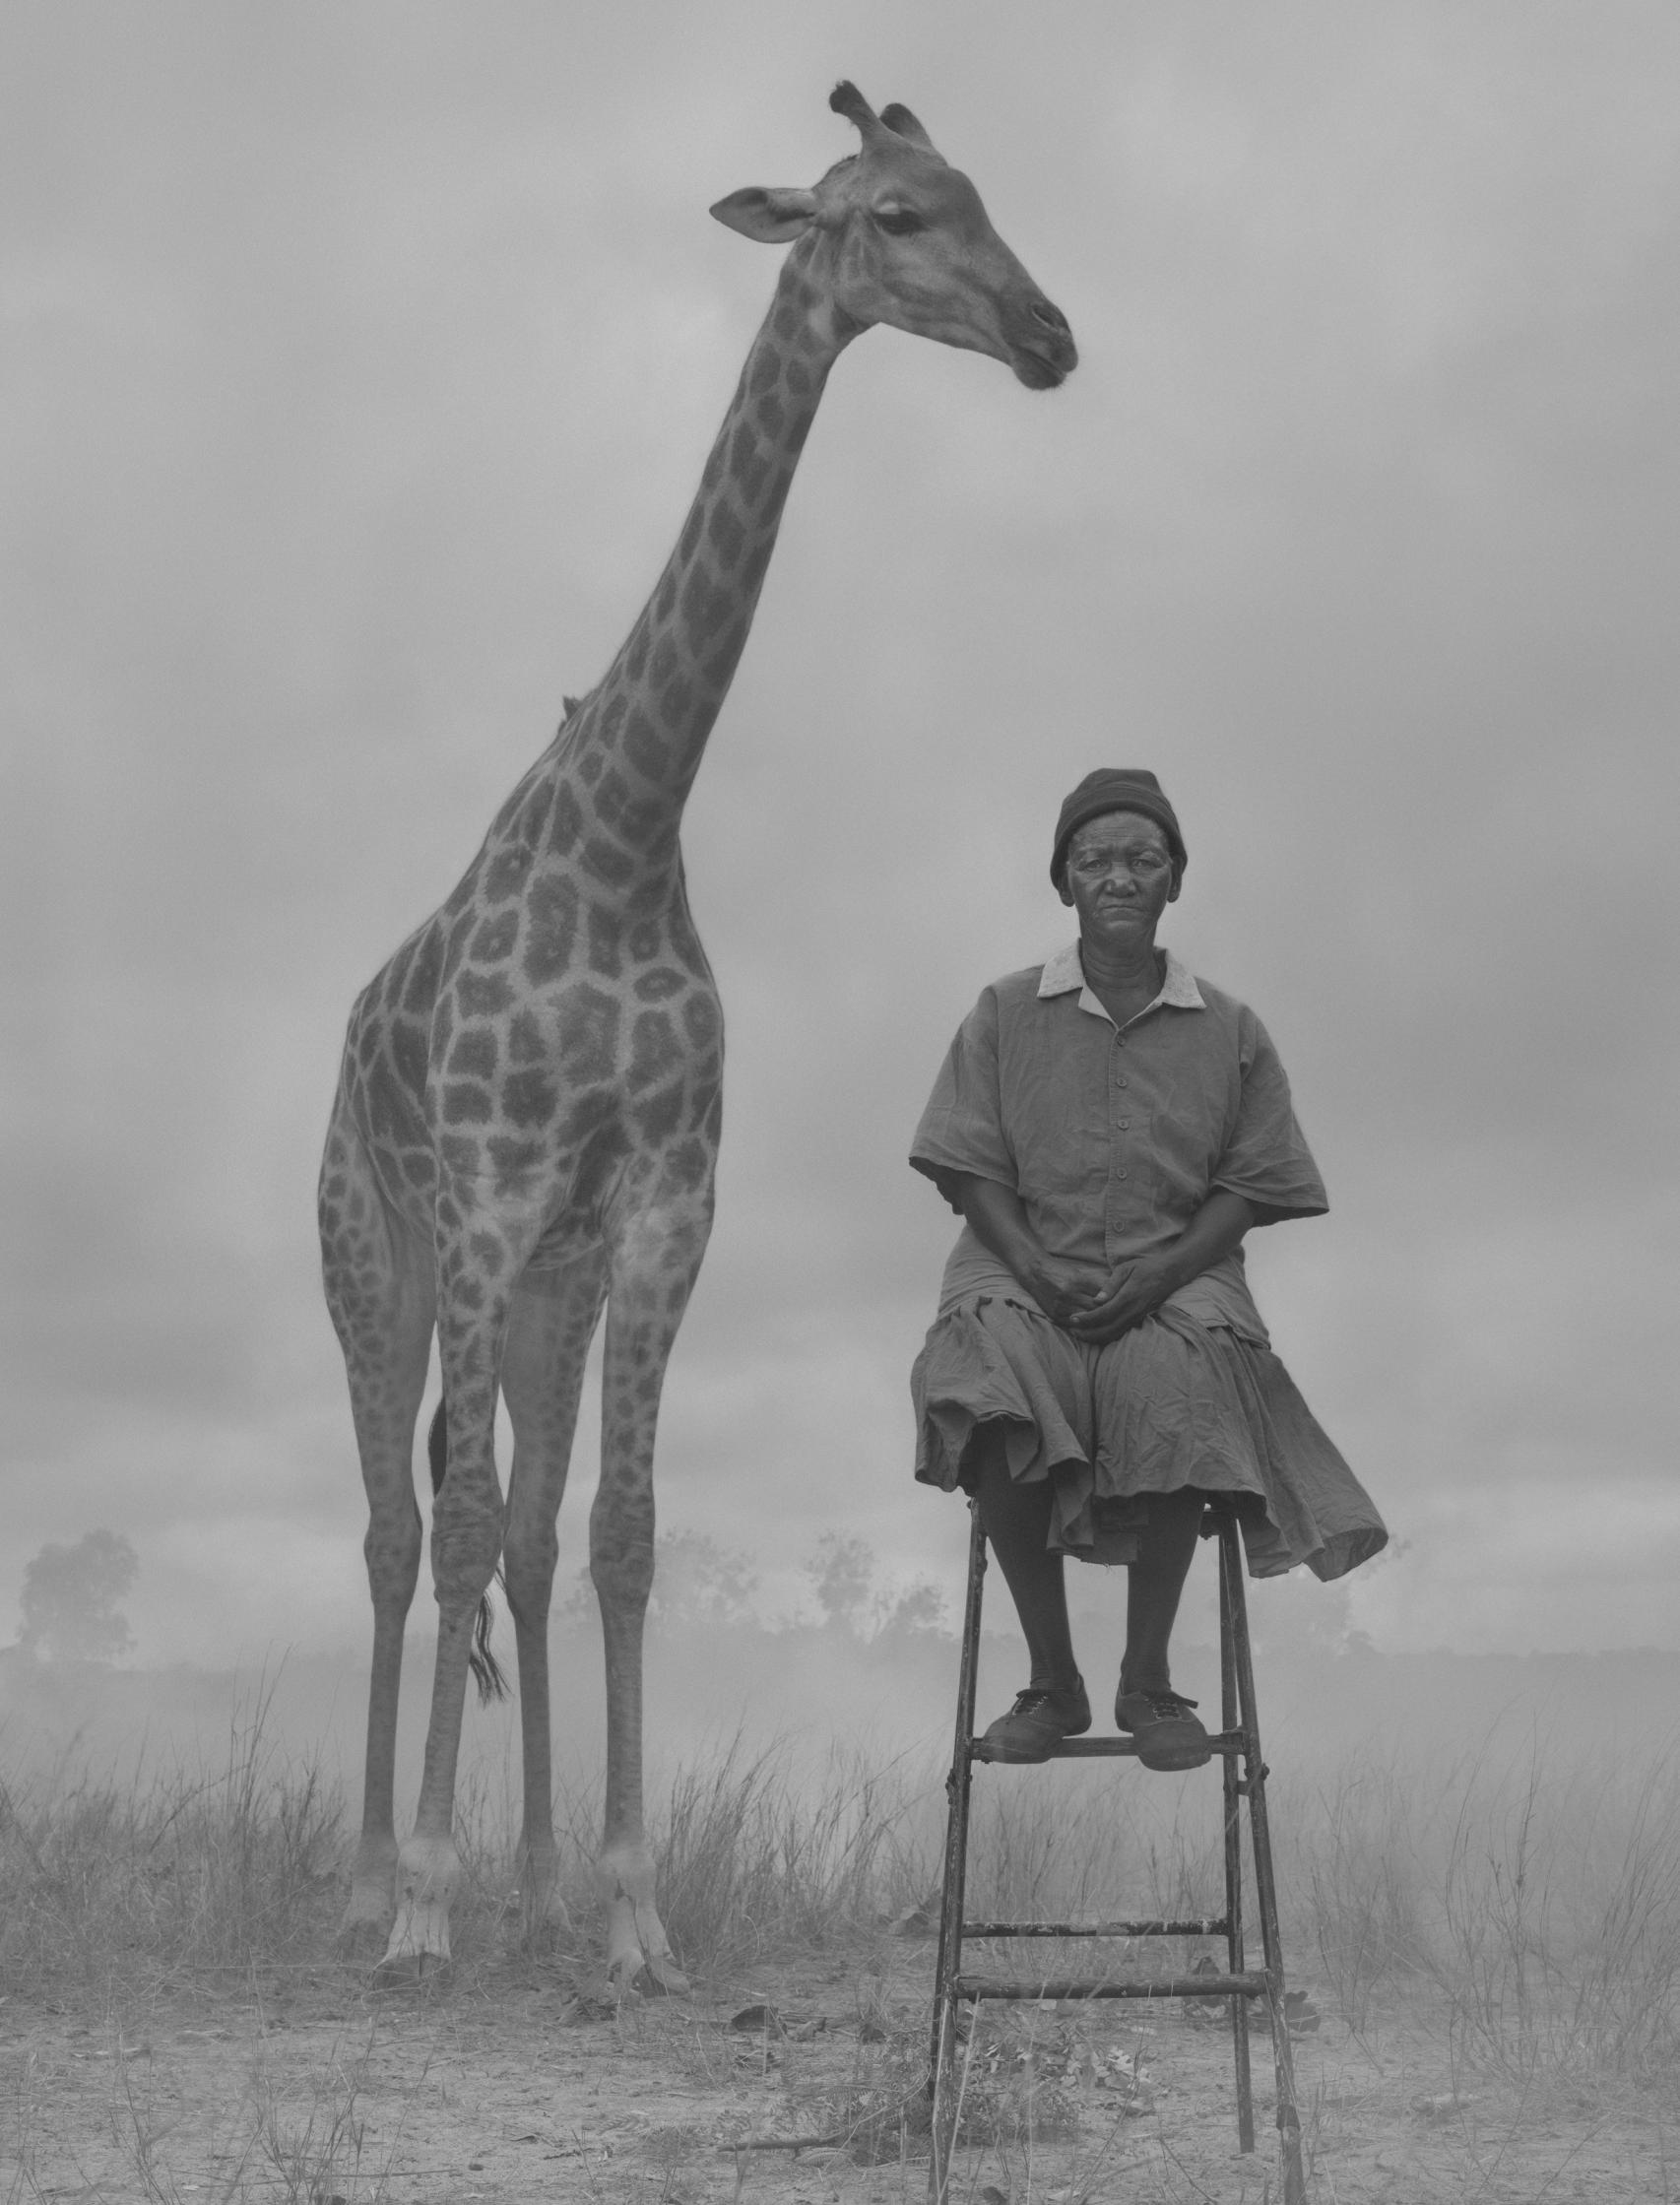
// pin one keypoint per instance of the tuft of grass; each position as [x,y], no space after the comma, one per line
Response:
[751,1864]
[316,2152]
[1356,1867]
[174,1876]
[1557,1949]
[757,1862]
[1533,1907]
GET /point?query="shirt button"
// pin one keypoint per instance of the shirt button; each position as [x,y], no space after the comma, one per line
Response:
[1120,1083]
[1122,1175]
[1124,1124]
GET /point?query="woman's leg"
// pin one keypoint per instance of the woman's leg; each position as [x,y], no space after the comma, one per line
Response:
[1015,1518]
[1163,1725]
[1166,1547]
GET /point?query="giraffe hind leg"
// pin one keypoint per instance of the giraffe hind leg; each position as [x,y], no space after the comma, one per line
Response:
[479,1261]
[378,1282]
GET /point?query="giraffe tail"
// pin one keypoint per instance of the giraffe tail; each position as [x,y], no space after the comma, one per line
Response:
[488,1672]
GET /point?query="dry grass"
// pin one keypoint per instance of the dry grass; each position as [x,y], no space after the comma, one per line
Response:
[1539,1908]
[1535,1905]
[1557,1944]
[1523,1918]
[182,1874]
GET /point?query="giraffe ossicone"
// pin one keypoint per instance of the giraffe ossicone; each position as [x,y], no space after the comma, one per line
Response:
[527,1118]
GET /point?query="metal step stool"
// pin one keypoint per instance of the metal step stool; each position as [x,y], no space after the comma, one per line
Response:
[1237,1740]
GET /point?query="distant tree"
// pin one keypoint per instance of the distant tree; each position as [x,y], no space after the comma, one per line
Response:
[917,1607]
[841,1573]
[70,1596]
[695,1581]
[698,1582]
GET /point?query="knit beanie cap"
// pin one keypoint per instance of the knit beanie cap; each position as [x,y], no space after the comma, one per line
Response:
[1116,789]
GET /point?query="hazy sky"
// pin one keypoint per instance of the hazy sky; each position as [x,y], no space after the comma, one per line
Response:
[356,366]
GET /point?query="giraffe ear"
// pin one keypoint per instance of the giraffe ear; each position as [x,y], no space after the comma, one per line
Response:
[770,218]
[903,124]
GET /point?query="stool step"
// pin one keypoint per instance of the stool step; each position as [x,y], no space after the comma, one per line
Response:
[1204,1925]
[1167,1986]
[1104,1749]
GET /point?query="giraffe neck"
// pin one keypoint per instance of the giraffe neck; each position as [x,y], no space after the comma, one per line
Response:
[631,752]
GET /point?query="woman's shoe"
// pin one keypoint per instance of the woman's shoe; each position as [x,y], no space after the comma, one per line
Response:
[1168,1735]
[1038,1722]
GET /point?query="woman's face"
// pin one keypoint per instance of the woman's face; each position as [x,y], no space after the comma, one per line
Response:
[1119,877]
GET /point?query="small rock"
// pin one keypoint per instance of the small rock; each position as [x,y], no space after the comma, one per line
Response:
[919,1921]
[1444,2104]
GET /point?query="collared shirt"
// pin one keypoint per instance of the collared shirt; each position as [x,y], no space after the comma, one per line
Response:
[1113,1136]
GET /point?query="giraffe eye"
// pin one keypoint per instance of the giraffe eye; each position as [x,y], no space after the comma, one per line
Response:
[898,222]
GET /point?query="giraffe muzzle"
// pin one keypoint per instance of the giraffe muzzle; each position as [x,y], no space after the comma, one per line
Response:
[1046,354]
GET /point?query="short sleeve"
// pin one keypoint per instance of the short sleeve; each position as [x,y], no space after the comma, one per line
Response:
[963,1128]
[1267,1159]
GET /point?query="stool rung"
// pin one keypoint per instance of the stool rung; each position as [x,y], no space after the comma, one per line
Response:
[1205,1925]
[1104,1749]
[1168,1987]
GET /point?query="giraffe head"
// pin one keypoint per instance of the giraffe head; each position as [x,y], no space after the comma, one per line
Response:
[900,236]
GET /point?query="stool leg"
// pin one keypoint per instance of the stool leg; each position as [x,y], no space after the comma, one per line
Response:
[949,1963]
[1266,1885]
[1229,1717]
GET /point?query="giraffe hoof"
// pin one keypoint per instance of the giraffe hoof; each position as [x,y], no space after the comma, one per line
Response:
[661,1978]
[623,1976]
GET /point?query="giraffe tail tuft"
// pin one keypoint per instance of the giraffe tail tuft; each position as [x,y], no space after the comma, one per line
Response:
[488,1672]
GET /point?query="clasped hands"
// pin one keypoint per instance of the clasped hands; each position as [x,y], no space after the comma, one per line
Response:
[1097,1309]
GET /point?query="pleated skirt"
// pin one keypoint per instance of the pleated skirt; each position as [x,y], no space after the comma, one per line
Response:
[1170,1403]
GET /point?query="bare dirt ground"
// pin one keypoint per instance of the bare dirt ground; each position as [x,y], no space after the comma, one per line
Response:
[505,2083]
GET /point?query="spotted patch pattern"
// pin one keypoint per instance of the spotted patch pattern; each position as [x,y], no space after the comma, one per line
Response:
[528,1118]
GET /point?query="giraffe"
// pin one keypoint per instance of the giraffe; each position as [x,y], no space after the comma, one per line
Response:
[527,1117]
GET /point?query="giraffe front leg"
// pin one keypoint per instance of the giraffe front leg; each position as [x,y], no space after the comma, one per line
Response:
[638,1951]
[653,1270]
[620,1557]
[428,1867]
[367,1919]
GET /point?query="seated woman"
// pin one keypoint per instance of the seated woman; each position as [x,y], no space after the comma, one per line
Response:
[1109,1128]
